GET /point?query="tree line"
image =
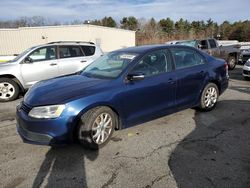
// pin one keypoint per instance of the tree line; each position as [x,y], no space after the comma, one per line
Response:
[150,31]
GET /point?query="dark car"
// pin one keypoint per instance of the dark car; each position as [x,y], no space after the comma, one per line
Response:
[120,89]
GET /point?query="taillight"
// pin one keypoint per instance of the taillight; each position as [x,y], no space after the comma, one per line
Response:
[226,66]
[226,69]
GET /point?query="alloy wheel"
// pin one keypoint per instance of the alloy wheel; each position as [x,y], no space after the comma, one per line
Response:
[210,97]
[102,128]
[232,62]
[7,90]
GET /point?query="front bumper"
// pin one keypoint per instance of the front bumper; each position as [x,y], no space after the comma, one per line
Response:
[33,137]
[246,71]
[43,131]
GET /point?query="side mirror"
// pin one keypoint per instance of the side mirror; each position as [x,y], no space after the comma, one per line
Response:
[204,47]
[135,76]
[28,60]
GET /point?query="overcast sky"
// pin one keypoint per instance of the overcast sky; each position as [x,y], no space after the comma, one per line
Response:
[69,10]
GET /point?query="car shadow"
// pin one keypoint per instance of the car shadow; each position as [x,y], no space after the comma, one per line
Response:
[64,167]
[236,73]
[217,152]
[242,89]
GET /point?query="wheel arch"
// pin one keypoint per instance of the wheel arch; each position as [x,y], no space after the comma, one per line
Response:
[15,79]
[217,83]
[78,118]
[205,84]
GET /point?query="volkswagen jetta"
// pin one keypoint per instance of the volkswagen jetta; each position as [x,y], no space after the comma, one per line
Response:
[120,89]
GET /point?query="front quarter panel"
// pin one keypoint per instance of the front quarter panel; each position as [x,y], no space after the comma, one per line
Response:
[108,98]
[12,69]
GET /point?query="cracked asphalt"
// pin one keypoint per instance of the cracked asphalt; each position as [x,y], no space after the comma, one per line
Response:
[185,149]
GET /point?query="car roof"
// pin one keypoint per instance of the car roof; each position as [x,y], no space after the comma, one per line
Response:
[148,48]
[74,43]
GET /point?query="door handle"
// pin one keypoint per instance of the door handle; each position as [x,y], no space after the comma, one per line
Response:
[201,72]
[171,81]
[53,64]
[83,61]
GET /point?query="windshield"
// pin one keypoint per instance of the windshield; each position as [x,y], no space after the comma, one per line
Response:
[109,66]
[188,43]
[21,55]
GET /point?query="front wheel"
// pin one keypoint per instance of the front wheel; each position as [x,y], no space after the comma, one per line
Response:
[96,127]
[209,97]
[231,62]
[9,90]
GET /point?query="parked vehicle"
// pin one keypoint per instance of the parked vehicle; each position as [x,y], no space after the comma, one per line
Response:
[118,90]
[44,62]
[245,55]
[246,70]
[229,53]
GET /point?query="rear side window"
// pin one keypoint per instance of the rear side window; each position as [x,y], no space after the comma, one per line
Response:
[70,51]
[88,50]
[186,58]
[212,43]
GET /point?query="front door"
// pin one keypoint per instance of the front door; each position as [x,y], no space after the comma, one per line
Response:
[41,64]
[155,94]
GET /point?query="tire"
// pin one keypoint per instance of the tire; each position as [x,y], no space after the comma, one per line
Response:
[91,133]
[9,90]
[209,97]
[231,62]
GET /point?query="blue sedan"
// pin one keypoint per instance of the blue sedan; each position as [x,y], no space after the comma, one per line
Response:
[120,89]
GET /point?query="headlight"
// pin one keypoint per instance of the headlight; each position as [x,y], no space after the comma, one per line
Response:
[46,112]
[248,62]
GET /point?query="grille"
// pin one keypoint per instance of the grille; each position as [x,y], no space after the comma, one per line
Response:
[25,107]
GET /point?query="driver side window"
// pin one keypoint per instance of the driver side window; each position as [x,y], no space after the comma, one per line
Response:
[43,54]
[154,63]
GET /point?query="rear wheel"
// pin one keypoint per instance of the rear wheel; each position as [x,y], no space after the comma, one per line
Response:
[96,127]
[209,97]
[231,62]
[9,90]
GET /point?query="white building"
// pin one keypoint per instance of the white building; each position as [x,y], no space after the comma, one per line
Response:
[15,41]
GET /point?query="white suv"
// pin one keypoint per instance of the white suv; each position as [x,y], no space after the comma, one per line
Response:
[44,62]
[246,70]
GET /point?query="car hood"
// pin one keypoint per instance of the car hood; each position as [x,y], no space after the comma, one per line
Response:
[64,89]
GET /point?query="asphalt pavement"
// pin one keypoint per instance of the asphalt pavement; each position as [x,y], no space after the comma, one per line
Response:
[187,149]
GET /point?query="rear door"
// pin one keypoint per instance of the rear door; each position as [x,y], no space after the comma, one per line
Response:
[155,94]
[190,71]
[43,65]
[215,51]
[71,59]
